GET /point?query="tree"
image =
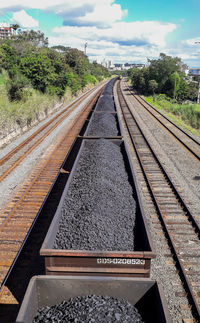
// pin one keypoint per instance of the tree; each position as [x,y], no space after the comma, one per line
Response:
[140,79]
[32,37]
[15,26]
[16,87]
[153,85]
[168,74]
[77,60]
[28,61]
[61,48]
[192,91]
[175,79]
[162,68]
[9,59]
[74,82]
[183,92]
[39,70]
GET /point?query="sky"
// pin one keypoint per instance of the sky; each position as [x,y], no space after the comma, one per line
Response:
[123,31]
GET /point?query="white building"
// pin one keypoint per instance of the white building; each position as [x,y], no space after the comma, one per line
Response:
[126,66]
[6,30]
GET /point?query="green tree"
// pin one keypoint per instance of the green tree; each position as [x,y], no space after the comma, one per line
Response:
[39,70]
[15,26]
[153,85]
[16,87]
[73,81]
[9,58]
[192,91]
[168,74]
[162,68]
[26,56]
[35,38]
[77,60]
[61,48]
[175,81]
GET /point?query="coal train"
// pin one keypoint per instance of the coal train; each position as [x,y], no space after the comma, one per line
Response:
[79,272]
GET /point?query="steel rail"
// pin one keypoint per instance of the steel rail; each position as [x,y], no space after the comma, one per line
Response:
[157,111]
[41,182]
[193,140]
[64,114]
[126,114]
[31,137]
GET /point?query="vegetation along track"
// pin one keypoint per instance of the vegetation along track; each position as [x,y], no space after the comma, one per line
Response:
[22,216]
[11,160]
[190,143]
[179,225]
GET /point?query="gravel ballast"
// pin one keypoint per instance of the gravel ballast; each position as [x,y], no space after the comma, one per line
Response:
[88,309]
[103,124]
[163,266]
[98,212]
[11,184]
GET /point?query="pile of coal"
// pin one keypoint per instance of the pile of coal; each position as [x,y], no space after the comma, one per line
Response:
[103,124]
[106,101]
[98,212]
[90,309]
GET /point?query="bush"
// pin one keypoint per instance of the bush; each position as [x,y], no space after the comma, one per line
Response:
[16,87]
[88,79]
[74,82]
[189,113]
[55,91]
[39,70]
[47,70]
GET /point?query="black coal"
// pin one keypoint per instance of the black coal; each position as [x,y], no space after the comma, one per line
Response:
[90,309]
[98,212]
[103,124]
[106,101]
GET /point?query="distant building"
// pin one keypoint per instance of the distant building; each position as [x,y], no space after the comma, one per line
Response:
[103,63]
[126,66]
[186,71]
[119,66]
[6,31]
[194,71]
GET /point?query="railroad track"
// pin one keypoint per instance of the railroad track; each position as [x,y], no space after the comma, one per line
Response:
[23,213]
[11,160]
[190,143]
[179,225]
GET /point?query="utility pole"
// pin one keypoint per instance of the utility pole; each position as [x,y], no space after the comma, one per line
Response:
[174,87]
[85,47]
[198,95]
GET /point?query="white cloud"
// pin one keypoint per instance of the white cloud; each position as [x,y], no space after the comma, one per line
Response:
[187,50]
[123,41]
[24,20]
[103,15]
[191,41]
[67,5]
[100,23]
[82,12]
[139,33]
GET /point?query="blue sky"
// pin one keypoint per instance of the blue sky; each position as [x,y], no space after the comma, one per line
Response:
[117,30]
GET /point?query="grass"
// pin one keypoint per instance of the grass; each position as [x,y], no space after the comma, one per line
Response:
[26,112]
[186,116]
[22,113]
